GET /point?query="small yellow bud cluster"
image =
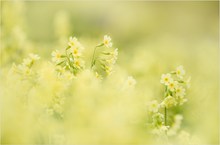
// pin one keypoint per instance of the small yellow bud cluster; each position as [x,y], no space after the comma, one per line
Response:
[108,61]
[25,68]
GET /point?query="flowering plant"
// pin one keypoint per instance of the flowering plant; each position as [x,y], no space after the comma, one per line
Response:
[174,96]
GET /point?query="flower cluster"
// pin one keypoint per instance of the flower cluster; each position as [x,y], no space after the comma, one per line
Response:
[106,59]
[25,68]
[175,87]
[174,96]
[71,58]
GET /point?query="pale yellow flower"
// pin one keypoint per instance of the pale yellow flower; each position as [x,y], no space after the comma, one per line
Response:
[27,62]
[180,72]
[180,91]
[131,81]
[73,42]
[166,79]
[153,106]
[98,76]
[172,85]
[78,63]
[168,102]
[56,56]
[34,57]
[76,52]
[107,41]
[182,100]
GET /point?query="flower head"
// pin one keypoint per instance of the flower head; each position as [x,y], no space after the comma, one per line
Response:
[78,63]
[158,119]
[172,85]
[180,72]
[27,62]
[166,79]
[56,56]
[34,57]
[76,52]
[73,42]
[153,106]
[107,41]
[131,81]
[180,91]
[168,102]
[182,100]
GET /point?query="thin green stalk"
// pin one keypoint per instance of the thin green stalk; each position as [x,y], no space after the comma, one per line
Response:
[165,109]
[93,57]
[165,116]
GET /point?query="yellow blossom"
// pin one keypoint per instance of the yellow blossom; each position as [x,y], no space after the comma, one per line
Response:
[107,41]
[56,56]
[180,72]
[166,79]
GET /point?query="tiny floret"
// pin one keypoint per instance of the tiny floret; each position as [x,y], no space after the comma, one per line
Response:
[168,102]
[107,41]
[166,79]
[180,72]
[153,106]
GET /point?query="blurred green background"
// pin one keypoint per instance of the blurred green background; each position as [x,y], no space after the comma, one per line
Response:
[152,37]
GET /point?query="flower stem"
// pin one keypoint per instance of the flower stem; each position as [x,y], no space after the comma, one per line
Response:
[165,109]
[165,116]
[93,57]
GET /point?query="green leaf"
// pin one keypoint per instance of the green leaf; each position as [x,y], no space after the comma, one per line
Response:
[60,62]
[68,47]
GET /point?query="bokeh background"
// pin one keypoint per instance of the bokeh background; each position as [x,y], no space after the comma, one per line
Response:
[152,38]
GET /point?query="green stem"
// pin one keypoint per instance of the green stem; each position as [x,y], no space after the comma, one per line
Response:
[93,57]
[165,109]
[165,116]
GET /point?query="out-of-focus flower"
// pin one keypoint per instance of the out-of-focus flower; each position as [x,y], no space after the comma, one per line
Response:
[166,79]
[76,52]
[27,62]
[107,41]
[172,85]
[182,100]
[98,76]
[56,56]
[168,102]
[160,130]
[73,42]
[180,72]
[131,81]
[158,119]
[34,57]
[114,56]
[153,106]
[180,91]
[78,63]
[176,125]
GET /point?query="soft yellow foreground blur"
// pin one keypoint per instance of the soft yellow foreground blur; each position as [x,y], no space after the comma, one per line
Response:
[152,37]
